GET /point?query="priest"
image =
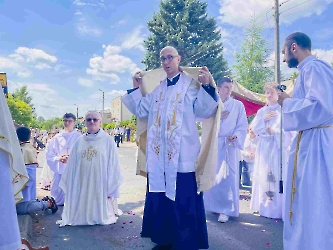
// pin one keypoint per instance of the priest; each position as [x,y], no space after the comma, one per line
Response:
[174,216]
[223,198]
[13,178]
[92,178]
[57,153]
[309,218]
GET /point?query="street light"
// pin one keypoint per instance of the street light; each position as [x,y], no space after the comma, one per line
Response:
[77,111]
[102,109]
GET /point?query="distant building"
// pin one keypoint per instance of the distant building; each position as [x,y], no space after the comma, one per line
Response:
[119,111]
[107,117]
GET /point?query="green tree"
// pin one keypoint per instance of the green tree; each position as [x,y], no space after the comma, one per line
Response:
[21,112]
[23,95]
[251,68]
[294,75]
[184,25]
[55,121]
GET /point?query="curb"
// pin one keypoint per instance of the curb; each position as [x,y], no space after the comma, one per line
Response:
[25,225]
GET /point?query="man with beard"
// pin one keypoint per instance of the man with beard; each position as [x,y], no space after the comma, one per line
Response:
[57,154]
[309,184]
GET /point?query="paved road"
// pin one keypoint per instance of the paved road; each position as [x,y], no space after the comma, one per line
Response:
[247,232]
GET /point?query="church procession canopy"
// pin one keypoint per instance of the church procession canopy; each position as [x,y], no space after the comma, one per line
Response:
[254,101]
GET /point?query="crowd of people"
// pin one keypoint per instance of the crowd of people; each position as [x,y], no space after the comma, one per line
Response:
[188,175]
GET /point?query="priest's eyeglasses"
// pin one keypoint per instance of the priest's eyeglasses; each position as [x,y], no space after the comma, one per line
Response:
[168,58]
[92,119]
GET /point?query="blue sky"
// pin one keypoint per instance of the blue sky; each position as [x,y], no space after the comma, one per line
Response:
[66,50]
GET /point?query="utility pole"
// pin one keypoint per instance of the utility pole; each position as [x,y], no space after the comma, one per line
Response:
[77,111]
[278,81]
[277,43]
[102,109]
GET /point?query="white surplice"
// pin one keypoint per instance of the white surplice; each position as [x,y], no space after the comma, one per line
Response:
[196,103]
[60,145]
[312,210]
[13,178]
[47,174]
[267,169]
[91,181]
[224,196]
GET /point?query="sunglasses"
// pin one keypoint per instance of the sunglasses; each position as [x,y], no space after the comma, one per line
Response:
[92,119]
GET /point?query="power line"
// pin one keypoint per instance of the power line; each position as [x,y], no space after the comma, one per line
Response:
[295,6]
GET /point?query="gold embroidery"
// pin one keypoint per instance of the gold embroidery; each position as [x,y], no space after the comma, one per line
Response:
[172,126]
[89,153]
[156,143]
[4,138]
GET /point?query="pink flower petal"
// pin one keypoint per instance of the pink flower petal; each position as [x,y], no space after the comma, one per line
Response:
[131,221]
[124,222]
[268,244]
[262,230]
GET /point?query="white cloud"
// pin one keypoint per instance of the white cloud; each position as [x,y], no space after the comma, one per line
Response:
[9,64]
[325,55]
[63,68]
[105,67]
[84,29]
[239,12]
[78,13]
[119,23]
[85,82]
[32,55]
[79,3]
[134,39]
[324,34]
[42,66]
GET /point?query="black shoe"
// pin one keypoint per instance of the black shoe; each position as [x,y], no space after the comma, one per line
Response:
[54,206]
[162,247]
[46,198]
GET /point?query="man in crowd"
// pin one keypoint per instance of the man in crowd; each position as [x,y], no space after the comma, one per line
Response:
[92,178]
[224,197]
[309,184]
[174,216]
[57,153]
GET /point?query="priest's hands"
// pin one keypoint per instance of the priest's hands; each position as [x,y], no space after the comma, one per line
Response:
[270,131]
[137,79]
[270,115]
[232,138]
[64,158]
[282,97]
[225,114]
[205,76]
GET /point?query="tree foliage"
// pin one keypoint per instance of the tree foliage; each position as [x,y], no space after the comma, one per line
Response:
[251,68]
[21,112]
[23,95]
[184,24]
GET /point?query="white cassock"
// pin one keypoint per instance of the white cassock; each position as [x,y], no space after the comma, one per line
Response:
[224,196]
[312,209]
[13,178]
[91,176]
[47,174]
[267,169]
[60,145]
